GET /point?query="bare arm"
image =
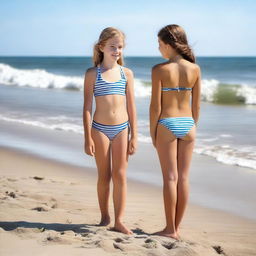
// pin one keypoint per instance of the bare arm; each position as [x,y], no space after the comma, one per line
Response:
[89,81]
[131,109]
[155,104]
[196,97]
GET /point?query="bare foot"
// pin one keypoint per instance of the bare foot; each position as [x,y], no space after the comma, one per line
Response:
[104,221]
[167,233]
[178,232]
[120,227]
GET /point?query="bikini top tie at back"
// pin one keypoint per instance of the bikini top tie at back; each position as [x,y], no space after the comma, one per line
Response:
[166,89]
[103,87]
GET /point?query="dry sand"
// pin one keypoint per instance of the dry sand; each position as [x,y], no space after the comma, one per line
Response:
[50,208]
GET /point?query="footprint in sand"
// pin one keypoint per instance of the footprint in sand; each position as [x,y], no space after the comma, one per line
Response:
[121,240]
[40,209]
[150,243]
[11,194]
[141,236]
[219,249]
[38,178]
[12,180]
[54,206]
[169,245]
[55,239]
[26,232]
[119,246]
[73,183]
[47,200]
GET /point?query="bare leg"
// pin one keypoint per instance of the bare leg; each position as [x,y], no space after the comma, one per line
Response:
[185,151]
[166,145]
[102,157]
[119,165]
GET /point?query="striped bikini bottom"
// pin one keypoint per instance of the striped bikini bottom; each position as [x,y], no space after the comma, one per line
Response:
[179,126]
[110,131]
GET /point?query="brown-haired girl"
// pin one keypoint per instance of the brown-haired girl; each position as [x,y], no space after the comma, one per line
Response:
[173,120]
[107,136]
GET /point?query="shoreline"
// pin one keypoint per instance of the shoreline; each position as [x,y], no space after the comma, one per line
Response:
[213,184]
[68,196]
[92,173]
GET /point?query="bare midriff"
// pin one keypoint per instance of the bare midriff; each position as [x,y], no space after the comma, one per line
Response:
[110,109]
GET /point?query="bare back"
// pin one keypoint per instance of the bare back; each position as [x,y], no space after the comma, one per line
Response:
[179,74]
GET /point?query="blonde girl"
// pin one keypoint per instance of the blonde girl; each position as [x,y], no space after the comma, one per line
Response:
[111,135]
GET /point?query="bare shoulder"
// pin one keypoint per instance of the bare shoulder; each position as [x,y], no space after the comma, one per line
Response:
[192,66]
[128,71]
[159,68]
[91,72]
[196,69]
[90,76]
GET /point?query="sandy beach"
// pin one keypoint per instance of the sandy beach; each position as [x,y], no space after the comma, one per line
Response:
[48,185]
[48,200]
[50,208]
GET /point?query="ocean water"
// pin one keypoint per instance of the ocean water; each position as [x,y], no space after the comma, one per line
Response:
[47,92]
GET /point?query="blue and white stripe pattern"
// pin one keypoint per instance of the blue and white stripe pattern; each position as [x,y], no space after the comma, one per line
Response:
[166,89]
[179,126]
[110,130]
[103,87]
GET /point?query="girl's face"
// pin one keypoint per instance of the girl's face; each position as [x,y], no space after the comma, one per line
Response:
[113,49]
[165,49]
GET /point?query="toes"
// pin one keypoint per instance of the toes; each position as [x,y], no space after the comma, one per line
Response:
[123,229]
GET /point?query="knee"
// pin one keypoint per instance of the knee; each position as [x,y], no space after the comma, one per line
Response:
[119,176]
[171,178]
[183,179]
[104,180]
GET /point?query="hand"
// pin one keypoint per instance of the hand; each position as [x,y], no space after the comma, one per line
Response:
[132,146]
[89,147]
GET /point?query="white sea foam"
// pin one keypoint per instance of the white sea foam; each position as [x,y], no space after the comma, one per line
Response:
[39,78]
[59,123]
[226,135]
[244,156]
[140,90]
[247,92]
[209,88]
[210,139]
[233,156]
[65,126]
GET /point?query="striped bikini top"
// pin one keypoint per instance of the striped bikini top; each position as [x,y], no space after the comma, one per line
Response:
[166,89]
[103,87]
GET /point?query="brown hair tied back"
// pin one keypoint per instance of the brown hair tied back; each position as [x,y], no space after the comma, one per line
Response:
[175,36]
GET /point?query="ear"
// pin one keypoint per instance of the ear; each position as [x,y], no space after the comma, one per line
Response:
[101,48]
[167,47]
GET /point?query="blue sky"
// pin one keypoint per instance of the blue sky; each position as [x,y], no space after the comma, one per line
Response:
[70,28]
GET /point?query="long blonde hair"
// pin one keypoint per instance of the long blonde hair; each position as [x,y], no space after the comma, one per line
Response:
[106,34]
[175,36]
